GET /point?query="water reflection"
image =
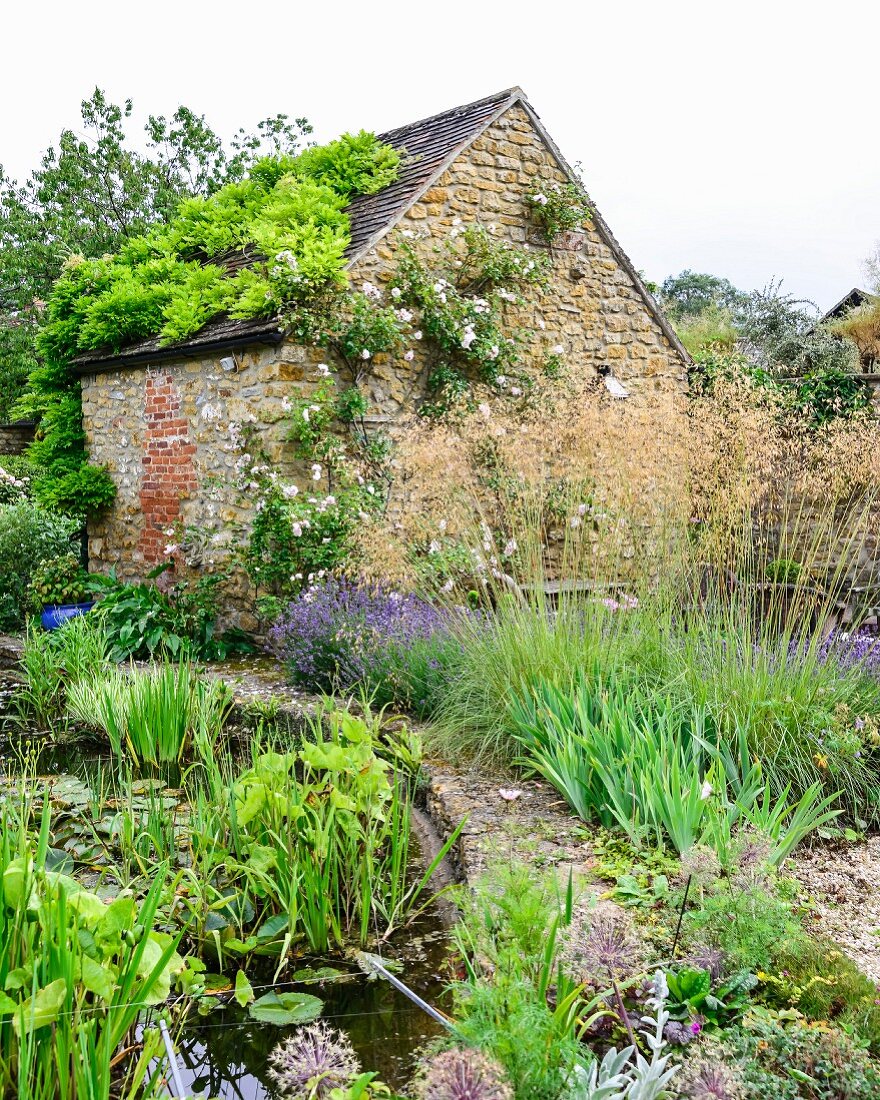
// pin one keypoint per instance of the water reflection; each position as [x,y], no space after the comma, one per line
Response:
[226,1055]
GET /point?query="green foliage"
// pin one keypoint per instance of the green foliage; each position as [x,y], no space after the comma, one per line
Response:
[748,920]
[823,983]
[781,1059]
[289,214]
[293,847]
[76,975]
[459,299]
[17,358]
[558,208]
[508,937]
[653,769]
[152,716]
[29,535]
[54,660]
[143,621]
[60,580]
[765,693]
[511,1022]
[691,294]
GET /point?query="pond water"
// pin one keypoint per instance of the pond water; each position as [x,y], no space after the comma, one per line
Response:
[225,1055]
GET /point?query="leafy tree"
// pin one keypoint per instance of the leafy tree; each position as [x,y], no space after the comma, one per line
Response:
[96,190]
[692,293]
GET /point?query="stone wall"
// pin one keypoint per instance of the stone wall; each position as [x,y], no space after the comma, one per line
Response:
[170,434]
[15,438]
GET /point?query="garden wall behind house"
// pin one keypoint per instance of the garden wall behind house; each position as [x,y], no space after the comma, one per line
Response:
[170,433]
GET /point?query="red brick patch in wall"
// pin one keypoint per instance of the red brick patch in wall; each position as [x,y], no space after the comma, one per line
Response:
[167,471]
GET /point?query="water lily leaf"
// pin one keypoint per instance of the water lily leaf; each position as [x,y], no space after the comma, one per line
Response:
[140,786]
[71,791]
[244,991]
[59,860]
[285,1009]
[42,1009]
[217,983]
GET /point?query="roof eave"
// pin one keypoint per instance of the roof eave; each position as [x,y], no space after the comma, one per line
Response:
[83,365]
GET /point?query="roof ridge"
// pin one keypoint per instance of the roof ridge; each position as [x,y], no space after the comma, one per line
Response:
[513,93]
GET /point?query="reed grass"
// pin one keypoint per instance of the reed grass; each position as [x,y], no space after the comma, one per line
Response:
[153,716]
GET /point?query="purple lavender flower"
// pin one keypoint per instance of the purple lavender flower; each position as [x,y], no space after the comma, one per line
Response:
[462,1075]
[340,634]
[313,1062]
[849,651]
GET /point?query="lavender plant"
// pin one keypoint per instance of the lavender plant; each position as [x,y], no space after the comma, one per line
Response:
[339,634]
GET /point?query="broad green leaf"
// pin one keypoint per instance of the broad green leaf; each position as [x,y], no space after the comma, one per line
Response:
[285,1009]
[253,800]
[244,991]
[42,1009]
[273,928]
[98,979]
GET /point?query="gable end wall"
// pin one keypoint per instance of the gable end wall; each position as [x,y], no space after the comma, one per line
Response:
[170,435]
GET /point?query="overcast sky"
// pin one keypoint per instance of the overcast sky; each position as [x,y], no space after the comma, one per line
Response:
[739,138]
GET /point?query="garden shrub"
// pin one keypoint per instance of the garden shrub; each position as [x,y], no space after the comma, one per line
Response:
[29,535]
[142,621]
[340,634]
[797,1061]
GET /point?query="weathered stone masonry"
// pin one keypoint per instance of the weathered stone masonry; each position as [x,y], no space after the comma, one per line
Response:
[168,434]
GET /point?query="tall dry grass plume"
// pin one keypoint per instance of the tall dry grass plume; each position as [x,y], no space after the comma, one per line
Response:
[576,486]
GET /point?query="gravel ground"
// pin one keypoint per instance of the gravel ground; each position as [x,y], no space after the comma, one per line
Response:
[843,884]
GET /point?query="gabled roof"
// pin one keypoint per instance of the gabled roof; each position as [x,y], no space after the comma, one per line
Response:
[427,148]
[853,300]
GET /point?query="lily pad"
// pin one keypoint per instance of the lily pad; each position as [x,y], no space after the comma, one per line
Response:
[284,1009]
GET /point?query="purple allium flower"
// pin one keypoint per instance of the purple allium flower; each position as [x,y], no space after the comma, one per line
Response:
[704,957]
[611,947]
[462,1075]
[708,1080]
[313,1062]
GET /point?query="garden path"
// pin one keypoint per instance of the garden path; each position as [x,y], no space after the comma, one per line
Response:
[842,883]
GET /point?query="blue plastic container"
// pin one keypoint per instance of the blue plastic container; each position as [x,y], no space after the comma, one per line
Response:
[57,614]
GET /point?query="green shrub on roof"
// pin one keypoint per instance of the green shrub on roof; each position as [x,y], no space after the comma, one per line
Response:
[289,215]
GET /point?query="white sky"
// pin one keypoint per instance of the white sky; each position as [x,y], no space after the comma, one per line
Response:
[739,138]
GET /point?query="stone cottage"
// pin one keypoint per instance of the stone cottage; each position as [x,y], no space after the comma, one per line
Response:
[155,416]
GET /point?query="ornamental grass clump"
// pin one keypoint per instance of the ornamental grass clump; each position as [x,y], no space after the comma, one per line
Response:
[341,634]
